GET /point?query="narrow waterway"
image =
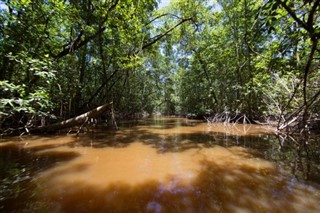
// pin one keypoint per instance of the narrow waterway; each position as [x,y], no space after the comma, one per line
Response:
[161,165]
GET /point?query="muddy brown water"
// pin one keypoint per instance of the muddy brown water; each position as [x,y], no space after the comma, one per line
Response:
[161,165]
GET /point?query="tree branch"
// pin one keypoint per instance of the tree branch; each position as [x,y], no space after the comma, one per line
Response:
[165,14]
[311,14]
[99,89]
[293,15]
[160,36]
[78,44]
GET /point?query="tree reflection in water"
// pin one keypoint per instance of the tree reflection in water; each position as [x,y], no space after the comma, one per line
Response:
[166,167]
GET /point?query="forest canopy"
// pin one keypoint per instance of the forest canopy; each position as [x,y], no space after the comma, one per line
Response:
[62,58]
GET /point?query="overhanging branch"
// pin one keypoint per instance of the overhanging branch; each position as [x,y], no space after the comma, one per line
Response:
[293,15]
[77,43]
[160,36]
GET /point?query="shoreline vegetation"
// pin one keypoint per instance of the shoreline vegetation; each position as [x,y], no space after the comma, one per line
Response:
[61,62]
[96,119]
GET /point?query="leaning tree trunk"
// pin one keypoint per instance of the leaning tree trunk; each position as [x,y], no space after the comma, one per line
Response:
[78,120]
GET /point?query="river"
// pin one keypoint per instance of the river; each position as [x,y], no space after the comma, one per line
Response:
[161,164]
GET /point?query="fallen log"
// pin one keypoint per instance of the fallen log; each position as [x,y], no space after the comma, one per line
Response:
[78,120]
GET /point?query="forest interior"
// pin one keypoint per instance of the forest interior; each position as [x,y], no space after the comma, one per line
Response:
[67,63]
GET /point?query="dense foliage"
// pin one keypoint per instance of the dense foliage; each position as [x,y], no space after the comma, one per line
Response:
[60,58]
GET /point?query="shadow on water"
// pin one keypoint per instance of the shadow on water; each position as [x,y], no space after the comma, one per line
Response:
[300,160]
[225,187]
[183,142]
[162,135]
[18,166]
[219,186]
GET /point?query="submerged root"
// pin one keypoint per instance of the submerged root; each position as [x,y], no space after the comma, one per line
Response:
[227,117]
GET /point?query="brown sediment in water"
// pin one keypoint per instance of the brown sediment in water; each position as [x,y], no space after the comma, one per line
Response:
[161,168]
[139,179]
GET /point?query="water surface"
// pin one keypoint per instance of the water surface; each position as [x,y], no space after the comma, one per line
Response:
[161,165]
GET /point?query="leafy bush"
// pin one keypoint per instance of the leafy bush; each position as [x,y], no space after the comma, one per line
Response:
[29,101]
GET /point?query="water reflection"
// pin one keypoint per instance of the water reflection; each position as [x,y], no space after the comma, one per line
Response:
[298,157]
[19,164]
[163,165]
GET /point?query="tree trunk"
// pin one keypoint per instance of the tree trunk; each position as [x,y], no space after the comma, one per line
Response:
[78,120]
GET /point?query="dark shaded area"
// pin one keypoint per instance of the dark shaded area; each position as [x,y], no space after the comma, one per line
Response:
[217,188]
[18,166]
[299,157]
[182,142]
